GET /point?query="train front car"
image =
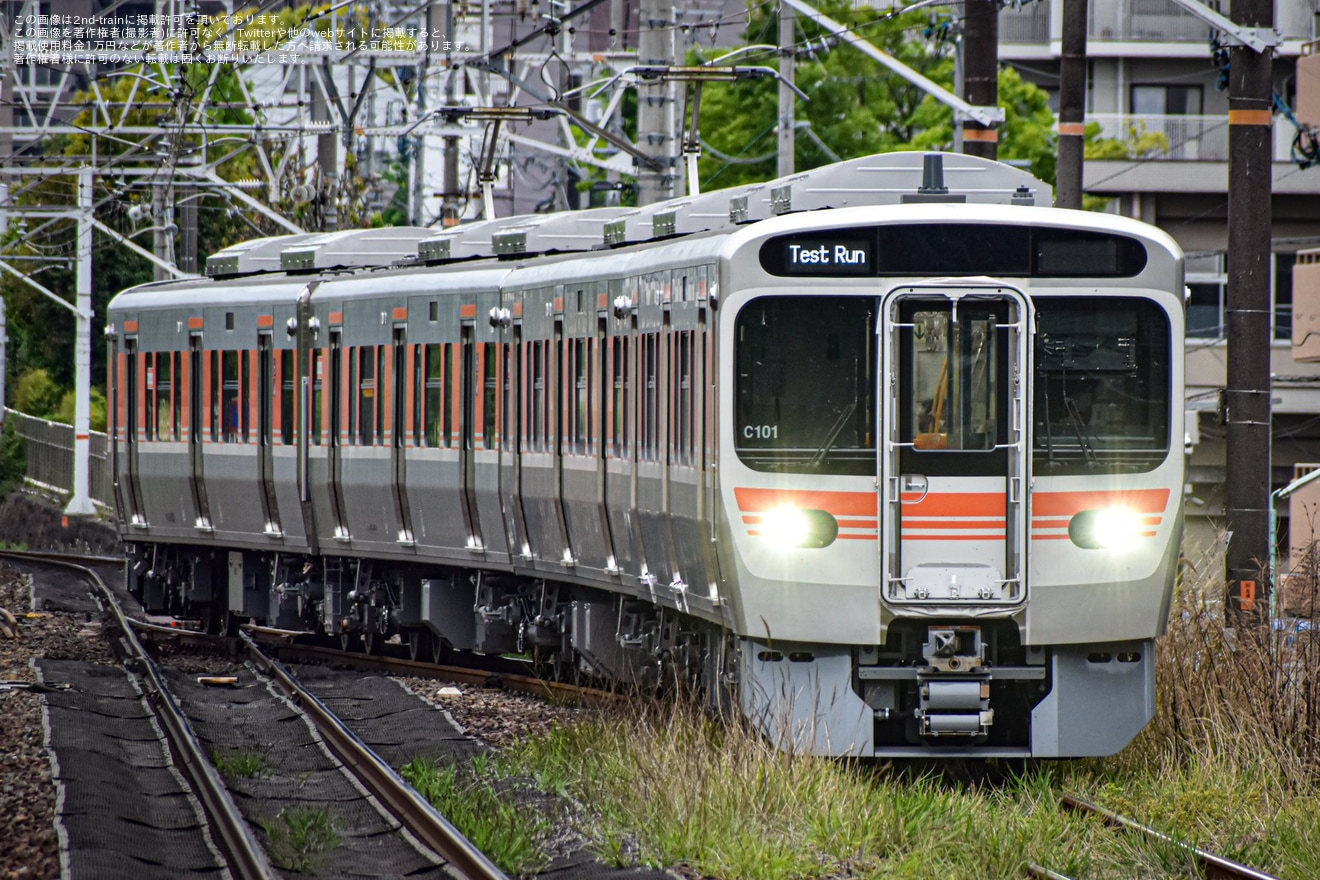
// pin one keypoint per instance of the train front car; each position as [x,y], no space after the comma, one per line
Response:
[951,475]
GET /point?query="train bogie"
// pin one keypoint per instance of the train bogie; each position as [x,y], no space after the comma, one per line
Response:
[890,480]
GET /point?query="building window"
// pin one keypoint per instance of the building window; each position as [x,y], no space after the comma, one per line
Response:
[1156,100]
[1209,300]
[1205,317]
[1283,295]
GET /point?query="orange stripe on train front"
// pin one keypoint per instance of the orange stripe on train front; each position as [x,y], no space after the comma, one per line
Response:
[1071,503]
[837,503]
[956,504]
[913,522]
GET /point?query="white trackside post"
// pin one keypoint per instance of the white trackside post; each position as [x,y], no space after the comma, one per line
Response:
[80,503]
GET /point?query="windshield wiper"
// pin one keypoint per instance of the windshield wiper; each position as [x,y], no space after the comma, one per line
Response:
[832,436]
[1075,416]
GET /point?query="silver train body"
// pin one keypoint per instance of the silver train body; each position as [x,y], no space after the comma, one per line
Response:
[892,479]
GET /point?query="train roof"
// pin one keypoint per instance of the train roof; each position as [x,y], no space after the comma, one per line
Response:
[200,292]
[894,187]
[984,214]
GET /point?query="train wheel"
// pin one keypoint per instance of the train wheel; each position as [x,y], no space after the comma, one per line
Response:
[350,641]
[439,650]
[419,645]
[373,642]
[230,623]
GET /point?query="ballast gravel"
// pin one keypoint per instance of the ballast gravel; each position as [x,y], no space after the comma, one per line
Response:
[27,794]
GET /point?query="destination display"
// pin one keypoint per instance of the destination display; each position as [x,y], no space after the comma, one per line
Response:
[852,256]
[1006,250]
[798,255]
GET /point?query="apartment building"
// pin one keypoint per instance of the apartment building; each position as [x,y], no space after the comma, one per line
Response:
[1152,71]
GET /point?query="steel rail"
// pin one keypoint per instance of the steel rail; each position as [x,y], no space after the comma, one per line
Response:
[289,649]
[246,857]
[1212,866]
[414,811]
[526,684]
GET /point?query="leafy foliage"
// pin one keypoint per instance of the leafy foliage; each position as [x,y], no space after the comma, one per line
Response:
[36,393]
[857,107]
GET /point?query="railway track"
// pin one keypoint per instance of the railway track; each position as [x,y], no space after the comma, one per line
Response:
[244,854]
[1209,865]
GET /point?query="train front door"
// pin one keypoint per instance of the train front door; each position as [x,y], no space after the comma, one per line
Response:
[953,468]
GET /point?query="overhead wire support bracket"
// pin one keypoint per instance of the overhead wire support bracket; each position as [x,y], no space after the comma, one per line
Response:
[1257,39]
[703,73]
[987,116]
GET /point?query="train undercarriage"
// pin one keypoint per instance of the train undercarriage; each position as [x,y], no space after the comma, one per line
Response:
[958,687]
[568,630]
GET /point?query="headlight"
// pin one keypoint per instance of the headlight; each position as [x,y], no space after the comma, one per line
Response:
[1114,528]
[794,527]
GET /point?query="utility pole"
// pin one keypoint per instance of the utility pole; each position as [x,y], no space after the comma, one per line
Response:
[162,219]
[187,213]
[656,120]
[787,71]
[80,502]
[981,73]
[450,201]
[1246,403]
[1072,105]
[8,31]
[327,151]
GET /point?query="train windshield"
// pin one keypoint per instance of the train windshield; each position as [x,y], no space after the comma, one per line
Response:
[806,384]
[1101,399]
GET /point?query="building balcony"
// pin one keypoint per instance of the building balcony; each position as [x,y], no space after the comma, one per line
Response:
[1154,28]
[1184,138]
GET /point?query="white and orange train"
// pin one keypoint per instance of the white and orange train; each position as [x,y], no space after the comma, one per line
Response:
[887,455]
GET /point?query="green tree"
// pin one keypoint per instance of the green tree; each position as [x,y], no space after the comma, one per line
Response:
[37,394]
[161,97]
[856,106]
[1027,132]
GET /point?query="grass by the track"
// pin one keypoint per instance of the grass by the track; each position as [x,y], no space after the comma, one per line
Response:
[1231,763]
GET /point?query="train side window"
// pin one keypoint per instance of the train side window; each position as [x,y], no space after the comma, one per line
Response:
[149,375]
[651,402]
[508,380]
[621,400]
[367,394]
[149,372]
[453,352]
[217,396]
[336,389]
[314,372]
[265,392]
[419,394]
[435,396]
[353,393]
[539,394]
[195,389]
[466,374]
[382,370]
[131,390]
[683,371]
[288,413]
[491,387]
[576,425]
[167,421]
[247,367]
[399,386]
[230,379]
